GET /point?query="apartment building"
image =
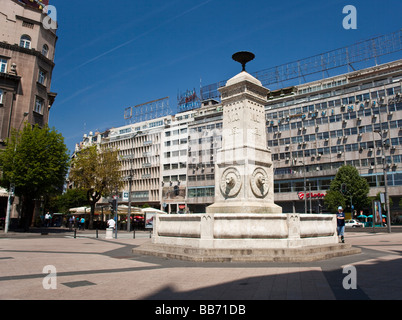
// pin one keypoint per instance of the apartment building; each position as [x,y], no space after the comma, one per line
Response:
[27,51]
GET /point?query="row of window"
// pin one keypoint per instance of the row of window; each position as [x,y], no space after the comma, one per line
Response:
[321,184]
[374,94]
[173,166]
[333,149]
[313,109]
[366,162]
[392,107]
[202,177]
[25,42]
[174,178]
[346,132]
[175,153]
[3,69]
[38,107]
[201,192]
[175,142]
[207,127]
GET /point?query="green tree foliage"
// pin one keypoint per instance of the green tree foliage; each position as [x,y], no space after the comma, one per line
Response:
[36,162]
[72,198]
[98,172]
[353,186]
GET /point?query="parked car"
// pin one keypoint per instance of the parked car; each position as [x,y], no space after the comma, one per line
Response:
[354,224]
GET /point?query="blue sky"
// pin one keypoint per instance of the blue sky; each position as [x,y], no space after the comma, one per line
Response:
[111,55]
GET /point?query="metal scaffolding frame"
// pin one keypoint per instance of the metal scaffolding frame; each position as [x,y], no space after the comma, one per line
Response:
[341,60]
[147,111]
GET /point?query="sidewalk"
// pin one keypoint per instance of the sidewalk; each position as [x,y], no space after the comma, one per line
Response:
[66,232]
[91,268]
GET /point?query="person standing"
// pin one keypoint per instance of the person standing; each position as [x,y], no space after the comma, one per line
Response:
[111,223]
[48,218]
[71,223]
[82,221]
[340,219]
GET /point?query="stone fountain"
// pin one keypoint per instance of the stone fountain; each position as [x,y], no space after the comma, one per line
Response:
[244,223]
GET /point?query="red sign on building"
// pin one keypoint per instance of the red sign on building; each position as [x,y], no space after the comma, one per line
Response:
[310,195]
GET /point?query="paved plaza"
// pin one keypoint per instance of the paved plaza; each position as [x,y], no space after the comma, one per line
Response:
[57,266]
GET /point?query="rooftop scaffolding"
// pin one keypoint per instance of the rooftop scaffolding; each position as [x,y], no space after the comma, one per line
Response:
[147,111]
[340,60]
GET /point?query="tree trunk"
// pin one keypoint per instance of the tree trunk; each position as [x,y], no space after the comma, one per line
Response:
[27,212]
[91,215]
[93,197]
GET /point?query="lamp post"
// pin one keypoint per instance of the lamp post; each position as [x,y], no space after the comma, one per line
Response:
[384,167]
[12,186]
[130,179]
[305,186]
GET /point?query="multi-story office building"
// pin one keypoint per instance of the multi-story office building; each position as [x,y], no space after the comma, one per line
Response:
[205,138]
[315,128]
[139,148]
[27,51]
[174,163]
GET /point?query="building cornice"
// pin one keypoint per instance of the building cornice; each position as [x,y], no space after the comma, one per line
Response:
[32,52]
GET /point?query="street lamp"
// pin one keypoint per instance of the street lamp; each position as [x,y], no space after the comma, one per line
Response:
[130,179]
[385,181]
[12,186]
[304,182]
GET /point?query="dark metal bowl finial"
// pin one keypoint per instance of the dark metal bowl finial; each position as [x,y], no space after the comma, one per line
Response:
[243,57]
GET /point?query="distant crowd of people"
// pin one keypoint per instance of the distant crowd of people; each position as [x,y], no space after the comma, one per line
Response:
[76,222]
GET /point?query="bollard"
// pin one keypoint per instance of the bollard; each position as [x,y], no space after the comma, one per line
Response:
[96,233]
[75,233]
[109,233]
[134,234]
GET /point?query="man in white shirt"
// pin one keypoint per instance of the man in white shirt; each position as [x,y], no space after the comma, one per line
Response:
[111,223]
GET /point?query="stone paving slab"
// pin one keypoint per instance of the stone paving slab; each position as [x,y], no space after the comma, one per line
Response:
[87,268]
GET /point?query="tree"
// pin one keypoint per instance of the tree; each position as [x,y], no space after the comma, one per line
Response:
[347,186]
[35,162]
[72,198]
[98,172]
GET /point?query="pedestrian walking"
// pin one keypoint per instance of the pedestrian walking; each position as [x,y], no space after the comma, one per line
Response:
[71,222]
[48,219]
[340,219]
[82,221]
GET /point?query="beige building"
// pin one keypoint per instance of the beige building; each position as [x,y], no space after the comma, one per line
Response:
[27,51]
